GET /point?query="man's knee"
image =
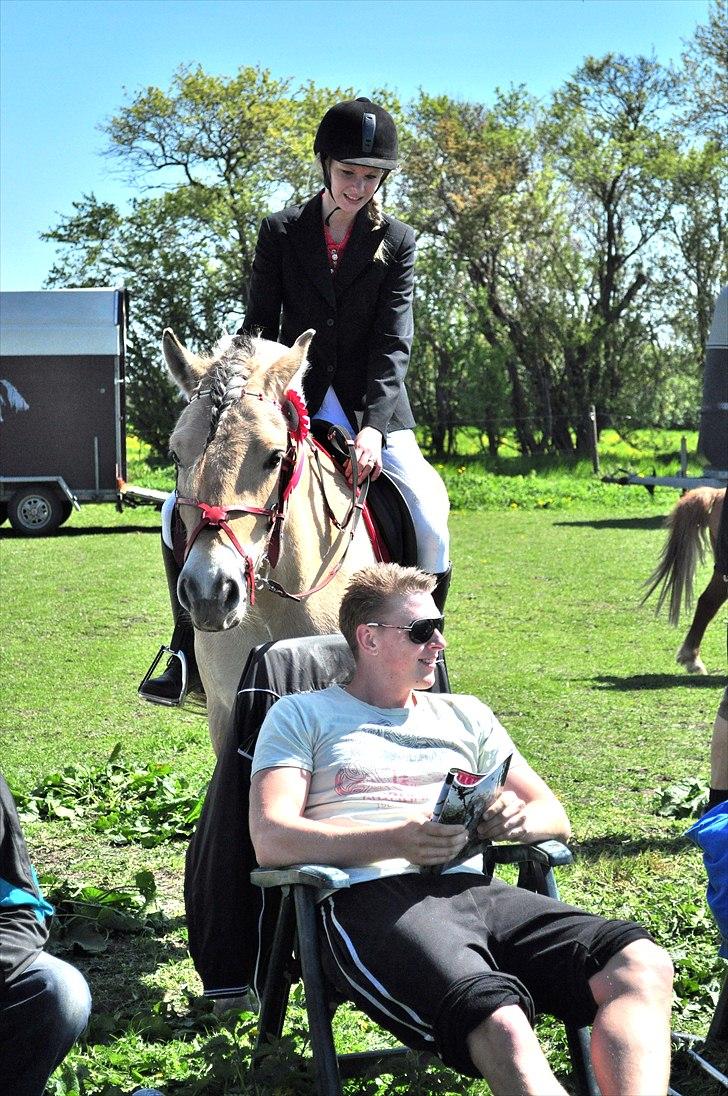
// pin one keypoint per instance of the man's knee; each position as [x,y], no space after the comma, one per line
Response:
[67,997]
[503,1028]
[640,968]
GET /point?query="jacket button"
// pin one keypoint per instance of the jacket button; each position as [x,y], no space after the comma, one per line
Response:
[329,322]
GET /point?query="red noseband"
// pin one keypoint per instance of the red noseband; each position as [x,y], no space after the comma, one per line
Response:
[216,517]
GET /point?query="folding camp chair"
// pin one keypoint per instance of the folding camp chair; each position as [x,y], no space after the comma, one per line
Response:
[294,950]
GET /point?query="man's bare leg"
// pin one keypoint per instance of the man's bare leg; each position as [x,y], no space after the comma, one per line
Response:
[631,1031]
[507,1053]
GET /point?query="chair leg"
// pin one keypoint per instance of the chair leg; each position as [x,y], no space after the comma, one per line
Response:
[278,982]
[328,1080]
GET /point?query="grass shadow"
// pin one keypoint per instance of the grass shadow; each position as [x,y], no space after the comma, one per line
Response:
[118,976]
[87,531]
[654,521]
[638,682]
[618,846]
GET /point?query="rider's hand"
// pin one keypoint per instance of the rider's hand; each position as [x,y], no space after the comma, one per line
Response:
[368,449]
[505,819]
[422,841]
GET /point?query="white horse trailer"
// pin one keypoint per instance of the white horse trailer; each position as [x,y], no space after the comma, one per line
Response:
[62,405]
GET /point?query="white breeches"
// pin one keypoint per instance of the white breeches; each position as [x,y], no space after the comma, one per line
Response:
[167,512]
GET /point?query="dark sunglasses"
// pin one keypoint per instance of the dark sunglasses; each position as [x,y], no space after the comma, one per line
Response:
[419,631]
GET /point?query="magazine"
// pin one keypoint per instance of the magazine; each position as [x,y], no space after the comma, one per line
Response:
[463,798]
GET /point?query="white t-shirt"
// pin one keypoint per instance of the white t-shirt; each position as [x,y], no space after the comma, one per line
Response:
[377,765]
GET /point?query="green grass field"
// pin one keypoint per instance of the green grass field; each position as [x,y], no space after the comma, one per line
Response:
[544,623]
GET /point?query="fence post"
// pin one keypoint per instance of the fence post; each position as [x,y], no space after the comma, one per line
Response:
[594,448]
[683,456]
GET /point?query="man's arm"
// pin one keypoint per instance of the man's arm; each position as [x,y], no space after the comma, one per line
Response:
[525,811]
[281,835]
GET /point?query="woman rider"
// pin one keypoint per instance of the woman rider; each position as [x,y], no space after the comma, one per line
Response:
[340,265]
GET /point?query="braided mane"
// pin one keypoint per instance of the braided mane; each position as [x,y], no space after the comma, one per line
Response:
[226,383]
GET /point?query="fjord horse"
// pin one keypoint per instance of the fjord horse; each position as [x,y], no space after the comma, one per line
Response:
[257,499]
[693,528]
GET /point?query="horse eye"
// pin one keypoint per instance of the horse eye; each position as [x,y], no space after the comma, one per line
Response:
[274,459]
[174,457]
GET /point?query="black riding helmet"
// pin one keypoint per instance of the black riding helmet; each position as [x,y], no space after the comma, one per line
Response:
[357,132]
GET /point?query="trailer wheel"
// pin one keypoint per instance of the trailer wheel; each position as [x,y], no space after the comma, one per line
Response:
[66,511]
[36,511]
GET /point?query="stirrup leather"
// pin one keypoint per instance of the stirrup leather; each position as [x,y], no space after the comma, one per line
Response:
[191,701]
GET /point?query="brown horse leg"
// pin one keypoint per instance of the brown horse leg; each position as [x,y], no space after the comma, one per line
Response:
[709,603]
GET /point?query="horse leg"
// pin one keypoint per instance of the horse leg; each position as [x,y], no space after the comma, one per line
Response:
[709,603]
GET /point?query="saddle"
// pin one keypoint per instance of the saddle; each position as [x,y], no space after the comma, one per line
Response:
[386,513]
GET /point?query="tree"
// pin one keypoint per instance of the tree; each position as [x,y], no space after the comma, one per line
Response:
[211,157]
[705,77]
[554,218]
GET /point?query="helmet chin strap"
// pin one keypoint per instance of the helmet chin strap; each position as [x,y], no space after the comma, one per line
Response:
[333,211]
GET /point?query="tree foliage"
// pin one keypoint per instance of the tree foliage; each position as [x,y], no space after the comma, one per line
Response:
[569,251]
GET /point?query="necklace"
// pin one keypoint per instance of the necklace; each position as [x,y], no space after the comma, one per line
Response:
[334,248]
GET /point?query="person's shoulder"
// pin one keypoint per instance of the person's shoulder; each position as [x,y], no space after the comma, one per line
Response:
[291,214]
[463,704]
[397,231]
[308,702]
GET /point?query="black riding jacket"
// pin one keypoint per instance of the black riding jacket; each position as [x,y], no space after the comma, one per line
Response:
[362,314]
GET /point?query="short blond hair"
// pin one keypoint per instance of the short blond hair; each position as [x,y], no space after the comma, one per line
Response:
[370,591]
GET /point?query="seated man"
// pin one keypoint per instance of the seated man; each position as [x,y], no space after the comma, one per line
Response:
[44,1002]
[451,962]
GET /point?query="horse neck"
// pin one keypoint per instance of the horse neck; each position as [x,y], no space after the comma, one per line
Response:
[310,543]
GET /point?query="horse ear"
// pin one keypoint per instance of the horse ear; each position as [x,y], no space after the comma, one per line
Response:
[288,370]
[186,369]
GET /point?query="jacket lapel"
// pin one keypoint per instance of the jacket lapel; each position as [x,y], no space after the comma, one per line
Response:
[307,239]
[360,251]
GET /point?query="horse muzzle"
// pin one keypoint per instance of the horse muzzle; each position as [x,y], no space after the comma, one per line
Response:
[216,602]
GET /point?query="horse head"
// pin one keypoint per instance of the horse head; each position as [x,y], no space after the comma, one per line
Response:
[230,445]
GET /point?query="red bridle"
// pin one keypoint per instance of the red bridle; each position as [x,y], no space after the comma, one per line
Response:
[216,517]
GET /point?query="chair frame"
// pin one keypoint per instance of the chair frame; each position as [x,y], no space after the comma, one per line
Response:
[296,937]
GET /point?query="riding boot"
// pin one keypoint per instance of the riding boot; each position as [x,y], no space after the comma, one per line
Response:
[439,594]
[180,679]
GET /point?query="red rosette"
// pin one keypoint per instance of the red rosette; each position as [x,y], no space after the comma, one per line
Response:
[296,415]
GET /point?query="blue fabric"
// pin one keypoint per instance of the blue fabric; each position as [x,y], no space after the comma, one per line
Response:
[710,833]
[11,897]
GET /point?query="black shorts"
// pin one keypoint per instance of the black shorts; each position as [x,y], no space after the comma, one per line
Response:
[430,957]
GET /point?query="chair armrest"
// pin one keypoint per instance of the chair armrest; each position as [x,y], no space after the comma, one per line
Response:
[552,853]
[310,875]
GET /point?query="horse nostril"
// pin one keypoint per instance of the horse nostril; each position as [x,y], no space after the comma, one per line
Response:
[230,593]
[182,593]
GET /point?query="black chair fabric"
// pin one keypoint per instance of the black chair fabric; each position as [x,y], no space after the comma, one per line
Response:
[229,924]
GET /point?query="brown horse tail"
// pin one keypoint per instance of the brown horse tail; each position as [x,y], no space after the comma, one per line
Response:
[686,544]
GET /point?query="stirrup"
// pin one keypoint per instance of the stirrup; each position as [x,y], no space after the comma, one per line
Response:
[191,701]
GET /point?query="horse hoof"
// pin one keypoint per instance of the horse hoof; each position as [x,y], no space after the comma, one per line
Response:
[692,664]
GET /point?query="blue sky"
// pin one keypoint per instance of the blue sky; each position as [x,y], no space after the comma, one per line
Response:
[68,65]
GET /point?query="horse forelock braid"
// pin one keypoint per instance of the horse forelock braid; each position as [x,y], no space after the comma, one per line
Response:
[226,386]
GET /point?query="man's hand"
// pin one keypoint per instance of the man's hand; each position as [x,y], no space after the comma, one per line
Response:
[368,449]
[424,842]
[506,819]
